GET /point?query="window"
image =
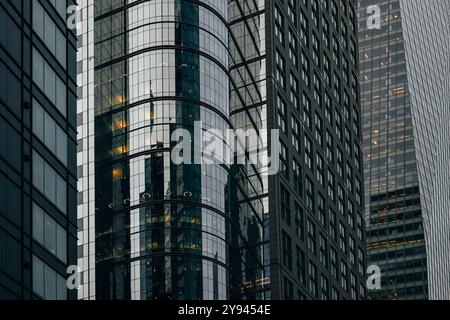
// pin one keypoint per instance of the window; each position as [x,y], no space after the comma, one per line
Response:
[287,250]
[295,133]
[291,11]
[360,226]
[334,294]
[326,70]
[357,155]
[350,213]
[323,256]
[297,176]
[284,156]
[280,69]
[279,23]
[329,140]
[47,283]
[299,222]
[317,91]
[306,110]
[340,162]
[285,205]
[281,105]
[331,193]
[288,289]
[312,279]
[319,168]
[304,35]
[328,106]
[342,242]
[358,191]
[10,265]
[308,151]
[324,288]
[311,237]
[321,209]
[294,91]
[47,181]
[293,48]
[333,227]
[344,275]
[336,51]
[347,142]
[50,34]
[338,125]
[49,233]
[356,121]
[337,87]
[47,80]
[349,177]
[301,266]
[346,108]
[309,194]
[334,265]
[9,142]
[316,49]
[340,199]
[49,132]
[319,126]
[10,34]
[60,6]
[325,31]
[360,261]
[352,250]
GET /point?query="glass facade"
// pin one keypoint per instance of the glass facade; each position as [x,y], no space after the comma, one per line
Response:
[162,231]
[426,29]
[248,111]
[37,150]
[394,212]
[85,151]
[405,103]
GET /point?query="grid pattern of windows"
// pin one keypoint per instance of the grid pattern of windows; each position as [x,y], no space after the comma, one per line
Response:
[47,30]
[47,283]
[406,138]
[49,82]
[49,182]
[323,33]
[37,150]
[49,132]
[49,233]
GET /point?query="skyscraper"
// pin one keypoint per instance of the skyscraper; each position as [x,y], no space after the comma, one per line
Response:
[37,150]
[317,230]
[405,103]
[150,229]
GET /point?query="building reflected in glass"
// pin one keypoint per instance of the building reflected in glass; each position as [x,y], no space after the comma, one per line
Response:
[163,231]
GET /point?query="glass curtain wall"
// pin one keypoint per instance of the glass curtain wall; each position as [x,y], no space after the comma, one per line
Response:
[164,231]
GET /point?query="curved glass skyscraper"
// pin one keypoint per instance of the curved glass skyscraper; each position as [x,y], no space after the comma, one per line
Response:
[165,231]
